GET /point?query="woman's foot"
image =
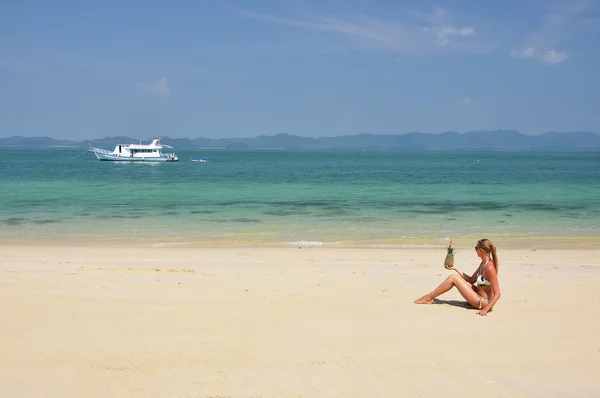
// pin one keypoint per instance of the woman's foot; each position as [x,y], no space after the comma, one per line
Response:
[424,300]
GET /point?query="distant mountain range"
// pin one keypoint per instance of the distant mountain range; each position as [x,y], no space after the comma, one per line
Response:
[499,140]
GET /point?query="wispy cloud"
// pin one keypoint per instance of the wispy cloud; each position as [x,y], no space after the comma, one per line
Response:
[558,24]
[439,25]
[463,102]
[432,33]
[127,67]
[552,57]
[438,16]
[326,24]
[65,65]
[444,33]
[525,53]
[159,87]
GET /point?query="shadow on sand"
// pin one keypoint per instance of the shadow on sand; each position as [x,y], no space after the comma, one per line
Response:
[454,303]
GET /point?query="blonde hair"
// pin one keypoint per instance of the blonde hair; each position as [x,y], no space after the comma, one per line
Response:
[489,248]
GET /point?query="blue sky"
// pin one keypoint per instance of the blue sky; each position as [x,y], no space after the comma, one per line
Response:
[91,69]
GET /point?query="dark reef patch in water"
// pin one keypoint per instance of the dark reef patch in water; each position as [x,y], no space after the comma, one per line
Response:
[539,207]
[469,206]
[332,213]
[483,205]
[15,221]
[276,203]
[570,215]
[364,220]
[127,216]
[46,221]
[431,210]
[246,220]
[302,203]
[286,212]
[202,211]
[237,220]
[232,203]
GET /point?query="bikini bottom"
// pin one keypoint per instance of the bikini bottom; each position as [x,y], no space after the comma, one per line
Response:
[482,298]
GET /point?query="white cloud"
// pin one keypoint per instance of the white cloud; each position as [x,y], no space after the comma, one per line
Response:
[159,87]
[558,25]
[368,33]
[439,26]
[525,53]
[327,24]
[443,33]
[374,33]
[566,11]
[553,57]
[549,57]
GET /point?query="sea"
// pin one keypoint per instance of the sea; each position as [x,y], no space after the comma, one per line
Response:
[301,198]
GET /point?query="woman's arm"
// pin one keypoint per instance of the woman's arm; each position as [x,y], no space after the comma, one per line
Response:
[471,279]
[491,276]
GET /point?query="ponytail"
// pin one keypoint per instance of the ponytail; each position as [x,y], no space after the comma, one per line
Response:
[486,245]
[494,257]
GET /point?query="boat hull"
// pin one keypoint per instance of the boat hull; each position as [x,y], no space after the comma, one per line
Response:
[117,158]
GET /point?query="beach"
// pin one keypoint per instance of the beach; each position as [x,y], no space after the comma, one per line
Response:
[227,199]
[135,320]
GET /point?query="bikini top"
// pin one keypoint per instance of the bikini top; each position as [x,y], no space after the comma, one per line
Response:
[480,280]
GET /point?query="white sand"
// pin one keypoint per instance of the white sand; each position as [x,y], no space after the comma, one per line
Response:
[121,321]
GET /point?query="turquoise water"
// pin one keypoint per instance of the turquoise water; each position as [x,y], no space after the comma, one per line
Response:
[366,198]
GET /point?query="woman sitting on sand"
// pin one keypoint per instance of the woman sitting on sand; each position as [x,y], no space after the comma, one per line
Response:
[481,289]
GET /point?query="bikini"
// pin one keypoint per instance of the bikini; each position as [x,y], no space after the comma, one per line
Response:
[481,281]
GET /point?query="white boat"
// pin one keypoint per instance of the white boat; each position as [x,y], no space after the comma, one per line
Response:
[136,153]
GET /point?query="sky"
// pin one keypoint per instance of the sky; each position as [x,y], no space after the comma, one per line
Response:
[317,68]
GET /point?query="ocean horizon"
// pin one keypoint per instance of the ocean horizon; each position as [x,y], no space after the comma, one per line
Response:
[310,198]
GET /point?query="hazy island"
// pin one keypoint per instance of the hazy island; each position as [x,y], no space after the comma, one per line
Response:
[498,140]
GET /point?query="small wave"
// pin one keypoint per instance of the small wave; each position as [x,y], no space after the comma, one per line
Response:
[401,246]
[162,244]
[309,243]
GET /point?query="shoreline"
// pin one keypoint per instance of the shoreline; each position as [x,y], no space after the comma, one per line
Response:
[514,243]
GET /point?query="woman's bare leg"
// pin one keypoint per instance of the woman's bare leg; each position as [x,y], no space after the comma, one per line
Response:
[453,280]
